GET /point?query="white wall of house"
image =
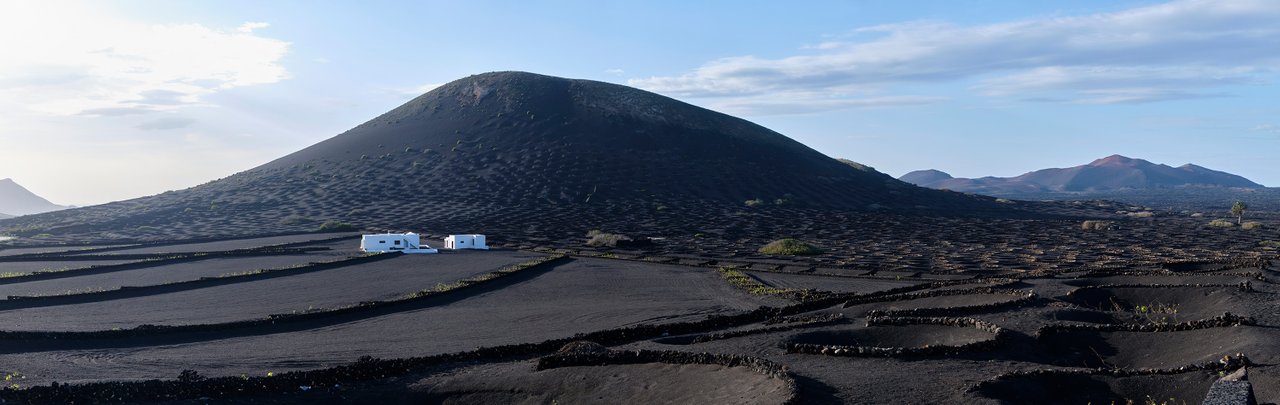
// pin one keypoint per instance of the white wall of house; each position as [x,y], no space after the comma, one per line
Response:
[468,241]
[390,242]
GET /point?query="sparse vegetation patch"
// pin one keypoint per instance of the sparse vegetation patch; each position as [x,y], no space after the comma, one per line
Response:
[790,247]
[336,226]
[745,282]
[1095,225]
[598,238]
[1221,223]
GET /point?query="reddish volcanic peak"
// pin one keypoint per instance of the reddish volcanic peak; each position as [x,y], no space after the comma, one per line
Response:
[1118,160]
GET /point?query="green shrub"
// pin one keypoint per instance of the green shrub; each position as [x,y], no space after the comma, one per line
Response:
[598,238]
[1221,223]
[754,202]
[335,226]
[792,247]
[1095,225]
[1270,244]
[1251,225]
[745,282]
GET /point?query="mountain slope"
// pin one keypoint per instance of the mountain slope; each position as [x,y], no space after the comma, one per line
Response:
[1107,174]
[520,153]
[17,200]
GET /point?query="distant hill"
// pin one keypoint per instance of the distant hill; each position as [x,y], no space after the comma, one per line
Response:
[17,200]
[925,177]
[522,154]
[1112,173]
[4,216]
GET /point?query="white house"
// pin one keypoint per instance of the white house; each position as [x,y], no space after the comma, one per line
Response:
[472,241]
[394,242]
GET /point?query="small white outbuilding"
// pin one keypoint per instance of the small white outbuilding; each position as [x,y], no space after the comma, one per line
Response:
[469,241]
[394,242]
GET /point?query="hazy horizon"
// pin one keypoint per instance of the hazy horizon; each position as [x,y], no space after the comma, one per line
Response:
[105,101]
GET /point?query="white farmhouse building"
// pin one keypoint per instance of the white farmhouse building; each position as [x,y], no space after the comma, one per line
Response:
[471,241]
[394,242]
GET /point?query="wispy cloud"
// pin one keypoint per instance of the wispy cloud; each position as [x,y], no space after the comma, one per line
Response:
[411,92]
[166,123]
[1178,50]
[1267,128]
[785,105]
[1116,84]
[250,26]
[71,60]
[116,111]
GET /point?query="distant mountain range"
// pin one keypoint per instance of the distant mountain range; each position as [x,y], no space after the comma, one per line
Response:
[1109,174]
[17,200]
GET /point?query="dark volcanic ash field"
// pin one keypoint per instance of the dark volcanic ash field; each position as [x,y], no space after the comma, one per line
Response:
[980,335]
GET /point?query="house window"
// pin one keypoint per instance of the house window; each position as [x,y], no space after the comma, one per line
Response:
[382,241]
[397,242]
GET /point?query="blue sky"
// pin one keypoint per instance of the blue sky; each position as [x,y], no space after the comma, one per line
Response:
[109,100]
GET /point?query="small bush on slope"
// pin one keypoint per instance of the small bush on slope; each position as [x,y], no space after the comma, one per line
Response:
[792,247]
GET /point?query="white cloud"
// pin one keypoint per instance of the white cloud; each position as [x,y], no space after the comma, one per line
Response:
[615,71]
[250,26]
[1160,52]
[68,59]
[82,86]
[1268,128]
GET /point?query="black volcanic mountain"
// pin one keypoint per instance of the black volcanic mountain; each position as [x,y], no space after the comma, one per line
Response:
[17,200]
[1107,174]
[519,153]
